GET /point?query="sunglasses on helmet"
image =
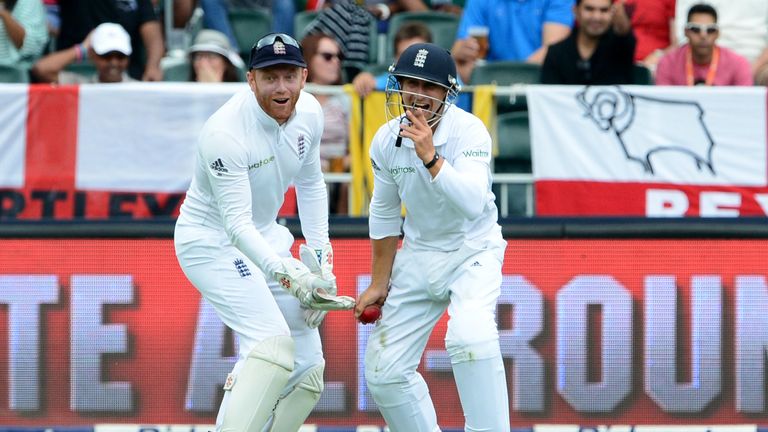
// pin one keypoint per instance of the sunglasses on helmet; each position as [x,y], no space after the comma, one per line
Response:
[271,38]
[702,28]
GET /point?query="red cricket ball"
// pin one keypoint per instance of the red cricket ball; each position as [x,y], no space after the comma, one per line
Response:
[370,314]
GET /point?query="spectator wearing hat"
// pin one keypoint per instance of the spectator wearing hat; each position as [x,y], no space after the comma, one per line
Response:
[22,32]
[213,60]
[138,18]
[108,47]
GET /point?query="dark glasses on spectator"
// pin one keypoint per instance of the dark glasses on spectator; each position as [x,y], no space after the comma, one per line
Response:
[270,39]
[702,28]
[329,56]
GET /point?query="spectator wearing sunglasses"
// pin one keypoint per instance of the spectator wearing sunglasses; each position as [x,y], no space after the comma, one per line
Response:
[323,56]
[702,61]
[743,26]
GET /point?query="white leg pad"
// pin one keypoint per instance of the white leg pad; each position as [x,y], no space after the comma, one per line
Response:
[258,385]
[296,406]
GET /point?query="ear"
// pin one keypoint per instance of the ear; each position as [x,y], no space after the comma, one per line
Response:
[250,76]
[304,75]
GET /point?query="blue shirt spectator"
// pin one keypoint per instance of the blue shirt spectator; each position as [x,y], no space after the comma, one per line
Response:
[518,30]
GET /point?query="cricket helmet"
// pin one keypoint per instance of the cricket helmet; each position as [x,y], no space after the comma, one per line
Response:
[426,62]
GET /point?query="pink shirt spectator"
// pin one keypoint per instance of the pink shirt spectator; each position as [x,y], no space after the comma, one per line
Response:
[732,69]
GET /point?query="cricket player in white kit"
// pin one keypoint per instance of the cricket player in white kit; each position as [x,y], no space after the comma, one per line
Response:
[439,168]
[232,250]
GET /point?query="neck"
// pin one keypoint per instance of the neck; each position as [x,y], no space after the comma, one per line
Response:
[705,58]
[586,44]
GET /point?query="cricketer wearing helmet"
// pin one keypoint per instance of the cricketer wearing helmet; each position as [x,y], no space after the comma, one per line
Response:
[230,247]
[434,158]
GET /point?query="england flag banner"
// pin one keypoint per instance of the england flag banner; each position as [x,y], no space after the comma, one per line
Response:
[100,151]
[649,151]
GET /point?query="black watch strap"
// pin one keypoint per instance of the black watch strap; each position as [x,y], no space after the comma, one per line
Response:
[432,163]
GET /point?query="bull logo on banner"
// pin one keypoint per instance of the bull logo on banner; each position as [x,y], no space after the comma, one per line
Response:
[682,128]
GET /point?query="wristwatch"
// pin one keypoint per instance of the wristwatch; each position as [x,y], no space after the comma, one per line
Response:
[432,163]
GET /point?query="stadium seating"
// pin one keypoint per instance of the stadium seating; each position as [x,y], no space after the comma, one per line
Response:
[377,69]
[641,75]
[249,25]
[177,71]
[86,69]
[514,156]
[443,26]
[505,73]
[13,74]
[514,143]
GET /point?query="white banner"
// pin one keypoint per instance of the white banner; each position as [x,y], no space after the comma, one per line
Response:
[646,134]
[13,134]
[142,137]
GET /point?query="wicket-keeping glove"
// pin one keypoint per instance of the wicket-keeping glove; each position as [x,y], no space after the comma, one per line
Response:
[311,290]
[320,263]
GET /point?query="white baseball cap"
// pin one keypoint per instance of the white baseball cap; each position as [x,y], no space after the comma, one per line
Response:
[108,37]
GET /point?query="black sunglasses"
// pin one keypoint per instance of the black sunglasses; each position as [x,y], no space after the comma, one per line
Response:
[330,56]
[271,38]
[702,28]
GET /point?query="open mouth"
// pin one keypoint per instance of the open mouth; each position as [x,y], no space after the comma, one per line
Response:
[281,101]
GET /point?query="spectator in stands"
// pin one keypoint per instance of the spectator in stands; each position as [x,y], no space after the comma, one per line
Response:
[212,58]
[323,57]
[743,28]
[600,50]
[138,18]
[701,61]
[108,46]
[653,22]
[349,24]
[23,32]
[408,34]
[517,31]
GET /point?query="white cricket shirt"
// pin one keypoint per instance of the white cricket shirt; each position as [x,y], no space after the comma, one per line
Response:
[441,213]
[245,164]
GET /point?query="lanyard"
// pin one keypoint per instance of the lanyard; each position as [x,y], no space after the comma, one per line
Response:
[712,66]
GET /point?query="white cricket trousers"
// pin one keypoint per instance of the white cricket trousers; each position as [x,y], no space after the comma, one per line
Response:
[243,299]
[423,284]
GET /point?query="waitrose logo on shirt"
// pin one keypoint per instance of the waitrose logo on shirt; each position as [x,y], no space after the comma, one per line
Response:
[261,163]
[401,170]
[475,153]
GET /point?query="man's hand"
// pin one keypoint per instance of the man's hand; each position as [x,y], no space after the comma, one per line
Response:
[364,83]
[466,50]
[374,294]
[419,131]
[152,73]
[311,290]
